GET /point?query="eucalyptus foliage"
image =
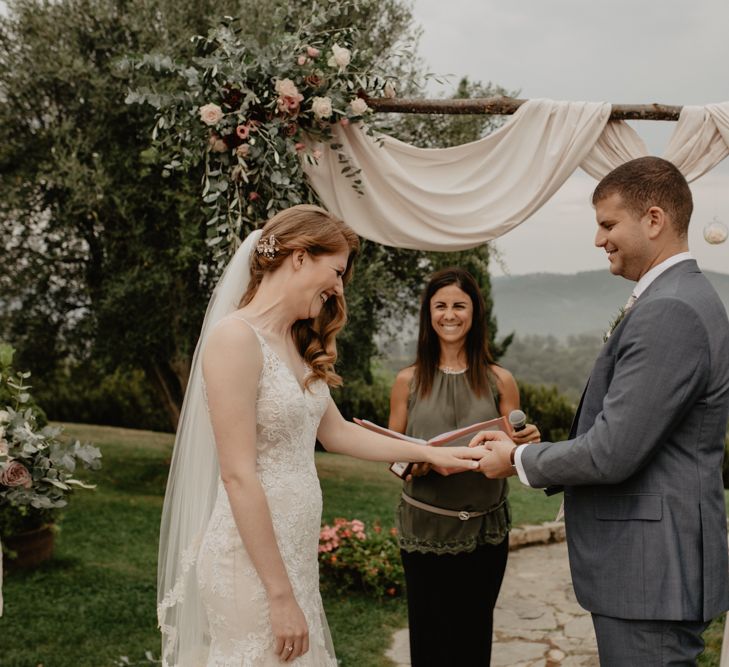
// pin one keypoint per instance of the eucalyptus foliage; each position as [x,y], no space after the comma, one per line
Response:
[37,469]
[253,112]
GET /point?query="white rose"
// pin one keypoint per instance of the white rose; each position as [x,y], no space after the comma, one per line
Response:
[211,114]
[359,106]
[340,57]
[322,107]
[389,90]
[715,233]
[286,88]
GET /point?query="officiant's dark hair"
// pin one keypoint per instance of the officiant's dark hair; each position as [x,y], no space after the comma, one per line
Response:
[478,354]
[650,181]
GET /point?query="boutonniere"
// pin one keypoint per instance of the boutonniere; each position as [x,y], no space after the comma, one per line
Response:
[618,319]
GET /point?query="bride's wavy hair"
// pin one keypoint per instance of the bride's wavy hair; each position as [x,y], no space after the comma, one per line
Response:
[317,231]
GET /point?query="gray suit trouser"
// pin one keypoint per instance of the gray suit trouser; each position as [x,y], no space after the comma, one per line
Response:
[623,643]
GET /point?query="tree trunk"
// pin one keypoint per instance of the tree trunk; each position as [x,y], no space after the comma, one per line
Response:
[169,389]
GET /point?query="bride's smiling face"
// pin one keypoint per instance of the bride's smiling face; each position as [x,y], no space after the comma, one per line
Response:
[320,279]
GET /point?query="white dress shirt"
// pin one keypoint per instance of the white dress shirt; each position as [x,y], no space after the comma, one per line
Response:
[639,288]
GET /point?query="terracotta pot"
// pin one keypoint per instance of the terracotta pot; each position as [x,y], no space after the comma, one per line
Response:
[33,548]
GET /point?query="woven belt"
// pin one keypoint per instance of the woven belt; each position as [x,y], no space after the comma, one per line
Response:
[463,515]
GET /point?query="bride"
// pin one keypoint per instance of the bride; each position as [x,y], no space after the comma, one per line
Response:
[238,581]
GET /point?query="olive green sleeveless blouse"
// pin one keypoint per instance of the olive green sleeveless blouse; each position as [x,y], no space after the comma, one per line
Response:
[452,404]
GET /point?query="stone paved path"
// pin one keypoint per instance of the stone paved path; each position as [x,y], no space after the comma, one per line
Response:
[538,622]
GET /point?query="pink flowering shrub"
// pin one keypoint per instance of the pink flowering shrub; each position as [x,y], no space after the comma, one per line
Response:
[352,557]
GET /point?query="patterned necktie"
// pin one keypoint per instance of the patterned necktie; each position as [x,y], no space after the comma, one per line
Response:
[629,303]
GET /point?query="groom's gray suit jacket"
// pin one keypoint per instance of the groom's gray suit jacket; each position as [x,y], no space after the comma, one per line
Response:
[644,500]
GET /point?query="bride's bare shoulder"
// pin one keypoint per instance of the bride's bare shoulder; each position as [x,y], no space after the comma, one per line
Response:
[232,344]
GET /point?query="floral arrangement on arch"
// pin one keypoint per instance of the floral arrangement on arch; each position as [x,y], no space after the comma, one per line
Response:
[37,470]
[353,558]
[251,113]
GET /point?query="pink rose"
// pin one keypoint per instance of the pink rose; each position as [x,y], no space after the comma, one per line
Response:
[289,96]
[286,88]
[301,60]
[312,52]
[211,114]
[16,474]
[243,131]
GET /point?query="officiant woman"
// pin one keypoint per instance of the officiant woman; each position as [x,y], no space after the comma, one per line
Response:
[452,527]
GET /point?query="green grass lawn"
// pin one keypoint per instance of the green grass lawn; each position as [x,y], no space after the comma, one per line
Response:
[95,601]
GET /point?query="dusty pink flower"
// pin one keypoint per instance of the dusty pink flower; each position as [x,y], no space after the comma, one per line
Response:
[299,146]
[243,131]
[211,114]
[291,129]
[253,196]
[217,145]
[289,97]
[301,60]
[312,52]
[313,80]
[16,474]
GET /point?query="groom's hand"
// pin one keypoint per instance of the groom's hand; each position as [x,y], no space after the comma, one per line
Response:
[497,462]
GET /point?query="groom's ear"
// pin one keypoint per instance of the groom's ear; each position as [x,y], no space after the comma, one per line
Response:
[658,222]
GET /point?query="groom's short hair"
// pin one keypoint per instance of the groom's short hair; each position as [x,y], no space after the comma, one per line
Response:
[650,181]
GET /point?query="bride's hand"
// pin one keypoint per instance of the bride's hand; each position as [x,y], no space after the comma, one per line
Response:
[465,458]
[290,629]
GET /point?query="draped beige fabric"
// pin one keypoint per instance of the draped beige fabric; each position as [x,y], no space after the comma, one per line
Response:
[460,197]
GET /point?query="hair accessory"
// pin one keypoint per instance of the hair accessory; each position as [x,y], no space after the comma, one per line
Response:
[267,247]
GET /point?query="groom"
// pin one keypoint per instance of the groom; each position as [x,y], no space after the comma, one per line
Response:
[643,493]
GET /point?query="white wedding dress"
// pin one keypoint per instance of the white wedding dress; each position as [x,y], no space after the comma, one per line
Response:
[287,419]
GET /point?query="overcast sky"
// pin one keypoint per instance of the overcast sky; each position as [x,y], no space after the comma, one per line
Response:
[620,51]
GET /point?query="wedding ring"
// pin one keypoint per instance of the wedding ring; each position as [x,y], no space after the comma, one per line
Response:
[289,648]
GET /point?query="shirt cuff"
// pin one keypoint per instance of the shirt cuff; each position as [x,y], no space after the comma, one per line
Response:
[519,466]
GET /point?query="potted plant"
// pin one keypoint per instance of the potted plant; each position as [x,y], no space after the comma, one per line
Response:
[37,470]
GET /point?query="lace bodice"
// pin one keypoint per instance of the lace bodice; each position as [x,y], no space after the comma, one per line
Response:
[287,419]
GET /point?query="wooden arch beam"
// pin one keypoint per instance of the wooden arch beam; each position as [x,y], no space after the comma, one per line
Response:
[508,105]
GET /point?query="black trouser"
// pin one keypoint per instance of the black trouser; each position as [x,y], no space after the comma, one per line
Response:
[451,601]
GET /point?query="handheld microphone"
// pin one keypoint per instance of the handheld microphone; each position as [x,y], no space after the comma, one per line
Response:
[518,420]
